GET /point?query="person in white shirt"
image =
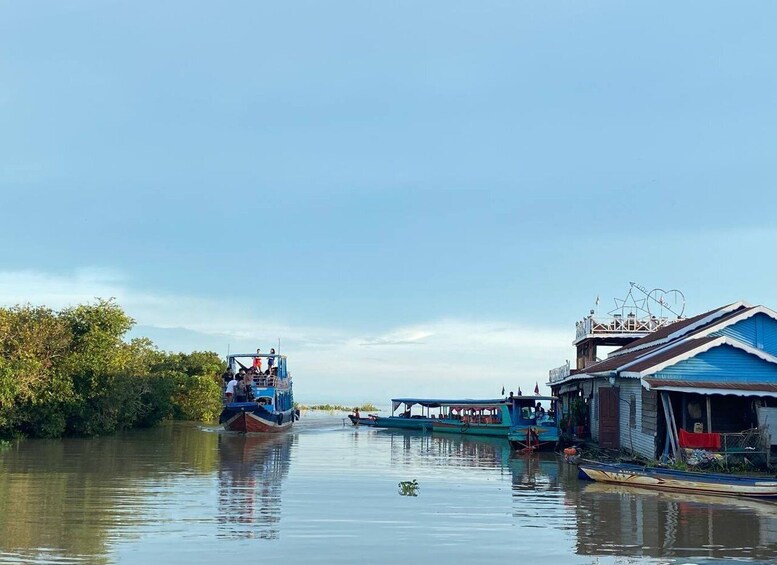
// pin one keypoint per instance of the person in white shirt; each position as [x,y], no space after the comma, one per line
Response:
[230,392]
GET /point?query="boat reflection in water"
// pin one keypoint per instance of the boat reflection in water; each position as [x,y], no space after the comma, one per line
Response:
[637,522]
[455,451]
[536,471]
[251,470]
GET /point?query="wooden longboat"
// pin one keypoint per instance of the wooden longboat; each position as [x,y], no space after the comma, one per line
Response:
[362,421]
[675,480]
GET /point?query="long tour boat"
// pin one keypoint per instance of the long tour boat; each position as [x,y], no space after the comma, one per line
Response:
[269,403]
[489,417]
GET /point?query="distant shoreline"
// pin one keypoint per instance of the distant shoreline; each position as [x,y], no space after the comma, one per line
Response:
[367,407]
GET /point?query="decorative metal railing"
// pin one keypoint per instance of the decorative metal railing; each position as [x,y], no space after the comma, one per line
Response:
[619,325]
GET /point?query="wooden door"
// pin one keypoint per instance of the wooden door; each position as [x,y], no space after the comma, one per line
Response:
[609,432]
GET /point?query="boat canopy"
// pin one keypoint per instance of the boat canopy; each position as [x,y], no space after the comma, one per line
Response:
[280,361]
[254,355]
[437,402]
[531,400]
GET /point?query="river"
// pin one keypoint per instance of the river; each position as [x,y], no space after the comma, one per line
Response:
[329,493]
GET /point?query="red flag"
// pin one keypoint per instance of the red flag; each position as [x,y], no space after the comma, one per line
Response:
[536,388]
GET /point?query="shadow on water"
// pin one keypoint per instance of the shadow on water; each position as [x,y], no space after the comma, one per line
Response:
[251,469]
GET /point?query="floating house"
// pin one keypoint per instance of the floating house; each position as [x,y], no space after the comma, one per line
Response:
[674,384]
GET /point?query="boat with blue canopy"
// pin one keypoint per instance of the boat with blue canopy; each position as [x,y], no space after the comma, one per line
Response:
[533,427]
[268,403]
[487,417]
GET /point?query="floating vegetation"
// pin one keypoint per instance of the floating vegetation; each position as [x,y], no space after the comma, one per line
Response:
[408,488]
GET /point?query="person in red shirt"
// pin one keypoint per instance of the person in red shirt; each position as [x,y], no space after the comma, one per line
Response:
[258,362]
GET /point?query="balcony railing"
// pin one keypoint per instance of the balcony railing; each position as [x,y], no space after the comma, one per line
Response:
[619,325]
[559,373]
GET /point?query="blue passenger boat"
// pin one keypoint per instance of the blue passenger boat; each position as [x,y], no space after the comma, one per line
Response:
[269,403]
[490,417]
[533,428]
[675,480]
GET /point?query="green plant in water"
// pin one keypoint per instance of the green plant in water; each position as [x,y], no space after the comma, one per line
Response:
[408,488]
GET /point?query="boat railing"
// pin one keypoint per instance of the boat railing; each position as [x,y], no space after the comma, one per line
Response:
[265,381]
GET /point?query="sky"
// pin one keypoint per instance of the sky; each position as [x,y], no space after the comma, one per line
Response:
[416,198]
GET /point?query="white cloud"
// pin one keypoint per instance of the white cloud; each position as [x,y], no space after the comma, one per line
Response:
[439,358]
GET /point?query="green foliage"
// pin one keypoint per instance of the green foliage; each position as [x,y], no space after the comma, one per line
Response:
[578,412]
[197,398]
[72,373]
[408,488]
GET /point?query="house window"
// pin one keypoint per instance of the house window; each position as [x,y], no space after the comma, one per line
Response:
[633,411]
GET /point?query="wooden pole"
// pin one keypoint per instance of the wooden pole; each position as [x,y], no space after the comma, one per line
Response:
[671,426]
[709,414]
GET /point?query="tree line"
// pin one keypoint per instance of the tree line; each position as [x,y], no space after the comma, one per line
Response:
[72,373]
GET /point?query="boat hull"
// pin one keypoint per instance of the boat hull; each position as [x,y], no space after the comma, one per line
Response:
[255,419]
[521,438]
[399,422]
[463,428]
[681,481]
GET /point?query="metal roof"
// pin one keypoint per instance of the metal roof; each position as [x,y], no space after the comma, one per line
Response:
[740,389]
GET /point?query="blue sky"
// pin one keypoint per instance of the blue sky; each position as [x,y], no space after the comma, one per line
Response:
[417,198]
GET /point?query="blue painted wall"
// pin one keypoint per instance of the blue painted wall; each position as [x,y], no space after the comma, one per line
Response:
[759,331]
[722,364]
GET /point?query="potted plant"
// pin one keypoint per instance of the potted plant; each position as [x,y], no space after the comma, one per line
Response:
[578,412]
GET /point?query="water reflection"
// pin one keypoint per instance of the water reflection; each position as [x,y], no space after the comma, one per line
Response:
[416,447]
[250,475]
[605,520]
[646,523]
[64,498]
[184,494]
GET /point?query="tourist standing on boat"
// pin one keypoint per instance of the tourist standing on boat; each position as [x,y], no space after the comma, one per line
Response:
[240,389]
[230,392]
[258,361]
[356,413]
[228,375]
[271,360]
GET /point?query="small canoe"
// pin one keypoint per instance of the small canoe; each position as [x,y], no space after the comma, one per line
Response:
[361,421]
[674,480]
